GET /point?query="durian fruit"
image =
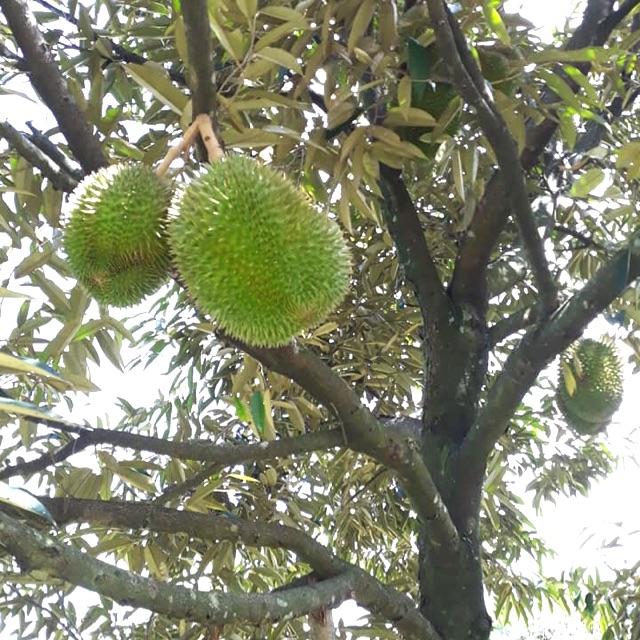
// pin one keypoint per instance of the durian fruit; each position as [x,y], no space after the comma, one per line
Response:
[590,385]
[497,64]
[255,254]
[115,237]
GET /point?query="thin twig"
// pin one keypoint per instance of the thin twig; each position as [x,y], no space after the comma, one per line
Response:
[203,451]
[58,177]
[586,240]
[53,151]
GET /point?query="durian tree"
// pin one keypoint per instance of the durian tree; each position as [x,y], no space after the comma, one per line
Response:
[483,180]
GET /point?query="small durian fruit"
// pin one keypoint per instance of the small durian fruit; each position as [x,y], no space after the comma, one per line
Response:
[115,237]
[590,385]
[255,254]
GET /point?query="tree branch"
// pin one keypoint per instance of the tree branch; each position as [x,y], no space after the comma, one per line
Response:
[367,591]
[541,345]
[363,432]
[58,177]
[200,51]
[203,451]
[470,84]
[583,238]
[413,253]
[490,216]
[35,551]
[502,329]
[44,143]
[50,85]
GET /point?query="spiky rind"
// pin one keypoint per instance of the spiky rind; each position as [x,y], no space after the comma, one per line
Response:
[255,254]
[597,385]
[115,238]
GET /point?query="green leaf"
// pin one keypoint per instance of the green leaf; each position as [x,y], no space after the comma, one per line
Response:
[286,14]
[33,261]
[587,183]
[400,116]
[361,21]
[24,501]
[421,61]
[241,410]
[494,20]
[589,54]
[257,411]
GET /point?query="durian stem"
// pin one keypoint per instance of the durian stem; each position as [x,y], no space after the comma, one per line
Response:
[211,143]
[173,153]
[201,125]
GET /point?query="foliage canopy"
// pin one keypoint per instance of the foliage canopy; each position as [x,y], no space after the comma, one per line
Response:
[487,183]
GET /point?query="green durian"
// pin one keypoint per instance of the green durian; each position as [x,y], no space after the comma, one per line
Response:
[115,238]
[590,385]
[255,254]
[498,68]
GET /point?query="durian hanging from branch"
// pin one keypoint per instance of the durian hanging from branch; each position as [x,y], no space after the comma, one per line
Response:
[115,237]
[590,385]
[250,247]
[255,254]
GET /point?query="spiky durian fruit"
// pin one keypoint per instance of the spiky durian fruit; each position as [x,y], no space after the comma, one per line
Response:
[590,385]
[115,237]
[255,254]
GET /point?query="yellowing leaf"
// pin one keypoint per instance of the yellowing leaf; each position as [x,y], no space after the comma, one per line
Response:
[398,116]
[286,14]
[281,57]
[568,377]
[361,21]
[28,410]
[18,365]
[156,80]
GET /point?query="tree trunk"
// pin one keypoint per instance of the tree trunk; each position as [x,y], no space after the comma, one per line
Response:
[451,588]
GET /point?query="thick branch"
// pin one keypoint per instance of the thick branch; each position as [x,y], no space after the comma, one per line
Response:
[59,178]
[413,253]
[368,592]
[35,551]
[506,327]
[50,85]
[490,216]
[200,64]
[541,345]
[466,76]
[365,433]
